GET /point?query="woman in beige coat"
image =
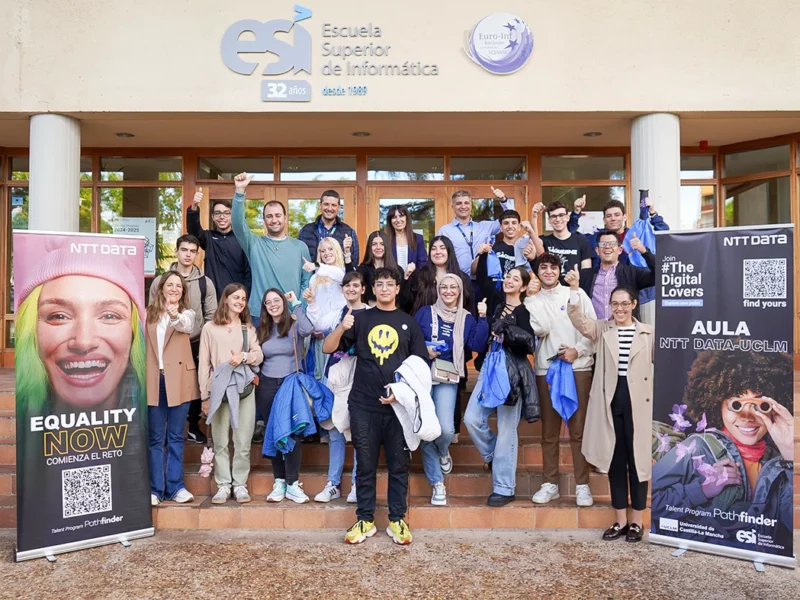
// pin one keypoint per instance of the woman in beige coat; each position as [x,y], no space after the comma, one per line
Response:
[617,435]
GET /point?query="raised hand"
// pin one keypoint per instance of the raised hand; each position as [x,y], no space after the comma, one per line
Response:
[410,269]
[308,266]
[348,244]
[527,226]
[291,298]
[482,308]
[636,244]
[348,321]
[309,296]
[537,208]
[172,311]
[498,193]
[529,251]
[580,204]
[197,199]
[534,285]
[484,248]
[573,278]
[241,181]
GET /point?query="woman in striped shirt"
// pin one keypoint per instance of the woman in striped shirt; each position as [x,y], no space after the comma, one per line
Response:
[617,435]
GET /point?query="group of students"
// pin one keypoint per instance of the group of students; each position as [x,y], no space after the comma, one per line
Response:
[405,322]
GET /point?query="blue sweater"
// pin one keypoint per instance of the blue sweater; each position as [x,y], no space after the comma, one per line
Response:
[476,332]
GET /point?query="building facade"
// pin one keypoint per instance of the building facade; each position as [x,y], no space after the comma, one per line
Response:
[116,113]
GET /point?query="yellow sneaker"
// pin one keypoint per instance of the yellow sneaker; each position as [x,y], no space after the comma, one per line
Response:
[398,531]
[360,532]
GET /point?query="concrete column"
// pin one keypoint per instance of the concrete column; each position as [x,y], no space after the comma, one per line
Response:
[656,164]
[55,155]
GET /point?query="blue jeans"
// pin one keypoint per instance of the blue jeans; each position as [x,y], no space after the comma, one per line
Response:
[336,449]
[444,399]
[166,426]
[500,449]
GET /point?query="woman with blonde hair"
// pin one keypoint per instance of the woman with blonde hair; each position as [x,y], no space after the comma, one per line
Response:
[171,385]
[228,347]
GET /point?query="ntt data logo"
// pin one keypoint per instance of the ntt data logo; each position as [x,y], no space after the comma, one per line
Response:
[294,55]
[501,43]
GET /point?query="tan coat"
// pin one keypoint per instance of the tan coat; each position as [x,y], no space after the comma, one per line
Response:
[180,372]
[598,433]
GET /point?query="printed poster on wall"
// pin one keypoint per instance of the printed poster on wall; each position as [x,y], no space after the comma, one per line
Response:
[140,227]
[82,471]
[723,427]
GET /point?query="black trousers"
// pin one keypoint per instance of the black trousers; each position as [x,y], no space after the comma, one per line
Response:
[370,430]
[195,405]
[623,468]
[284,466]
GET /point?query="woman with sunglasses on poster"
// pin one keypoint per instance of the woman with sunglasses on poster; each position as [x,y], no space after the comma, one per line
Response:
[739,460]
[617,433]
[408,247]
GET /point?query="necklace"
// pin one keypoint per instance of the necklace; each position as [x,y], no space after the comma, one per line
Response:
[274,246]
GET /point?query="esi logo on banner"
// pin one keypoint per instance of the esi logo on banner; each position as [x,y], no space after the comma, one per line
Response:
[295,57]
[500,43]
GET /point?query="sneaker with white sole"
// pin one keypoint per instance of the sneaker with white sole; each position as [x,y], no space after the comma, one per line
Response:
[183,496]
[278,492]
[546,493]
[241,495]
[583,495]
[446,463]
[439,496]
[352,498]
[154,501]
[296,494]
[331,492]
[222,495]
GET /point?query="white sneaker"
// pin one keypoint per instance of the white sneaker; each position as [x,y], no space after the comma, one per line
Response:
[446,463]
[154,501]
[546,493]
[583,495]
[331,492]
[352,498]
[241,495]
[439,496]
[278,492]
[183,496]
[296,494]
[222,495]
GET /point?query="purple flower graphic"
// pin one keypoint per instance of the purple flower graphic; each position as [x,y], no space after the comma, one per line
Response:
[663,442]
[681,423]
[701,424]
[682,450]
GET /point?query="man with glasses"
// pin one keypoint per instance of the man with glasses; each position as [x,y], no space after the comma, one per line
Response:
[599,281]
[383,337]
[573,249]
[225,261]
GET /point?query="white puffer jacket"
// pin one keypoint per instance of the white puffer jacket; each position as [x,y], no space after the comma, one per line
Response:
[414,406]
[340,381]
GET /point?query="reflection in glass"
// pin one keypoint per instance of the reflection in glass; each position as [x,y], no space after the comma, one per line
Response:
[487,209]
[487,167]
[164,168]
[18,209]
[318,168]
[305,210]
[596,196]
[757,161]
[698,166]
[758,202]
[85,210]
[421,211]
[162,203]
[226,168]
[556,168]
[10,335]
[698,207]
[19,168]
[405,168]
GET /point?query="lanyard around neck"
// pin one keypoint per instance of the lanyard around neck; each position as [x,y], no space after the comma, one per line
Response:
[471,236]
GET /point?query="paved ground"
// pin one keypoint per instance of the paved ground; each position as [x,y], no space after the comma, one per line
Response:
[440,564]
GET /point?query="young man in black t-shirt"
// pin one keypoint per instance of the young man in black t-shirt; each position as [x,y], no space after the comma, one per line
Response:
[384,337]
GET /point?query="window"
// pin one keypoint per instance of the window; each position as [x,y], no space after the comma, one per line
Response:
[559,168]
[166,168]
[757,161]
[226,168]
[405,168]
[18,218]
[697,207]
[318,168]
[698,166]
[421,211]
[487,168]
[19,167]
[762,202]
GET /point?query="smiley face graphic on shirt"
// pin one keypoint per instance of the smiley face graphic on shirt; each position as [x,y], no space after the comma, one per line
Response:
[383,341]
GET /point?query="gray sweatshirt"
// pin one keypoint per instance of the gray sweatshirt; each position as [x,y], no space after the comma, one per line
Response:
[278,351]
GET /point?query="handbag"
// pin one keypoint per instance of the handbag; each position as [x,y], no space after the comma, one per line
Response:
[442,371]
[248,389]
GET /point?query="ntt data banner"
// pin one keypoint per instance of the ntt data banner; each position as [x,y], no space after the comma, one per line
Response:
[723,435]
[82,477]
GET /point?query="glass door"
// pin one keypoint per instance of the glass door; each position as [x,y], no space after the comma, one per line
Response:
[486,206]
[426,205]
[302,204]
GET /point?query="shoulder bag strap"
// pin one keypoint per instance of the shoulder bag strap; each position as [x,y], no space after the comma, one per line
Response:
[434,326]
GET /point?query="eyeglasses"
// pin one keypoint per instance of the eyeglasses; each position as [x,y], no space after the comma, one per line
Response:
[621,304]
[221,213]
[607,244]
[448,288]
[273,303]
[737,406]
[385,285]
[558,216]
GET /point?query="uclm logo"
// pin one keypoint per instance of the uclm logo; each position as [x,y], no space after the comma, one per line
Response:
[263,38]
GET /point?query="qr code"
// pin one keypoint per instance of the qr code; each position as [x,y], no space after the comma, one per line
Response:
[764,278]
[86,491]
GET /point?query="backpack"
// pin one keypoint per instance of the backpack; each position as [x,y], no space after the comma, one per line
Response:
[203,290]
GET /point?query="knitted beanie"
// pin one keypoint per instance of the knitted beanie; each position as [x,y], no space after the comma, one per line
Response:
[39,258]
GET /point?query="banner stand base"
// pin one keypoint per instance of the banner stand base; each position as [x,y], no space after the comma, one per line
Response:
[759,559]
[679,552]
[49,553]
[759,566]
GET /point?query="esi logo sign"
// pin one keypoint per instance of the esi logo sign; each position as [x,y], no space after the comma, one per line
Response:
[746,537]
[501,44]
[294,56]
